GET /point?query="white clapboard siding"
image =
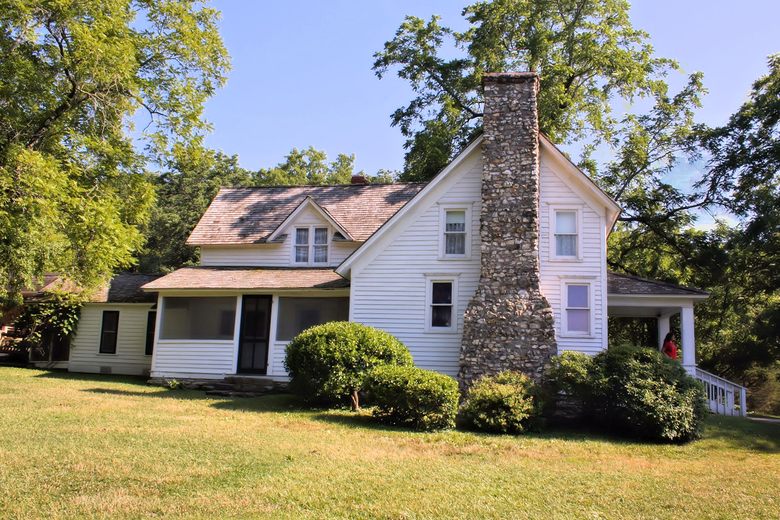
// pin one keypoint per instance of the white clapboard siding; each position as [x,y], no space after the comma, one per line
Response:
[194,358]
[554,191]
[388,291]
[276,359]
[275,254]
[130,357]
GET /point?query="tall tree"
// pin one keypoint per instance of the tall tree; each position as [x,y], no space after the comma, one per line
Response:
[74,187]
[309,166]
[744,166]
[587,53]
[590,59]
[192,178]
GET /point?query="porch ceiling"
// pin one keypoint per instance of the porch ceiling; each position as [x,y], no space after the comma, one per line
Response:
[240,278]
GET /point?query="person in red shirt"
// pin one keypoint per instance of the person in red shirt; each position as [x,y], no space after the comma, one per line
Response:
[670,347]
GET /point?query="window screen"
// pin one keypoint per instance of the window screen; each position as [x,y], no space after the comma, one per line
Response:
[298,314]
[198,318]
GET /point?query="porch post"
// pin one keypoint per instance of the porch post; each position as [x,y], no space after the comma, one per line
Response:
[663,328]
[688,338]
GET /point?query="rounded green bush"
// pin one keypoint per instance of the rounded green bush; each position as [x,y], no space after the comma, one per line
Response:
[413,397]
[328,363]
[505,403]
[635,391]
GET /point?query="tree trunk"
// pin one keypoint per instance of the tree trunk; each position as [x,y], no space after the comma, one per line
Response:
[355,401]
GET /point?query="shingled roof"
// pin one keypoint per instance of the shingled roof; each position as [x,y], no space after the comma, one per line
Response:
[626,284]
[205,278]
[126,288]
[250,215]
[122,288]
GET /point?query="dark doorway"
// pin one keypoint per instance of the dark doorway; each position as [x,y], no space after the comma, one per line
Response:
[253,339]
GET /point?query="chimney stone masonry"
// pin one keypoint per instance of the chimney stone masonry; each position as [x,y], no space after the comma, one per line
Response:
[508,325]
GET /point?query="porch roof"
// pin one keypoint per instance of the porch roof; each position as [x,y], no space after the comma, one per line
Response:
[251,278]
[628,285]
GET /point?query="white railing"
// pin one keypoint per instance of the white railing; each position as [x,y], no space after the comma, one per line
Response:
[723,396]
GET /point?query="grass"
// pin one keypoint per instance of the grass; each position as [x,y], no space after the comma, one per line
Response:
[91,446]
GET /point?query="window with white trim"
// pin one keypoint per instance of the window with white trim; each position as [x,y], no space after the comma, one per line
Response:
[577,308]
[566,233]
[442,297]
[455,232]
[311,245]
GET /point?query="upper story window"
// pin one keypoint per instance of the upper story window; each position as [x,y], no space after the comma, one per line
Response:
[577,309]
[311,245]
[566,227]
[454,239]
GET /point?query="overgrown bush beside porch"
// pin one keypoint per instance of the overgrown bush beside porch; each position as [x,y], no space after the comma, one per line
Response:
[631,390]
[328,363]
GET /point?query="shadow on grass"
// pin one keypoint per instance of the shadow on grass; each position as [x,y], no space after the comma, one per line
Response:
[99,378]
[743,433]
[736,432]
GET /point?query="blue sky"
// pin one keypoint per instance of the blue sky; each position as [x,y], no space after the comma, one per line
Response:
[302,69]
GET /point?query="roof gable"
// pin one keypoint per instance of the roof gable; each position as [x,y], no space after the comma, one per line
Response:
[309,202]
[240,216]
[579,180]
[346,265]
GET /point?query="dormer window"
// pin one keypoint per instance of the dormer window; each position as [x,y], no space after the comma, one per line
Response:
[311,245]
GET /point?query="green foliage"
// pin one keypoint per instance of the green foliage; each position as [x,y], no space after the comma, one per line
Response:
[309,166]
[74,186]
[505,403]
[587,53]
[328,363]
[58,314]
[413,397]
[570,372]
[634,391]
[192,179]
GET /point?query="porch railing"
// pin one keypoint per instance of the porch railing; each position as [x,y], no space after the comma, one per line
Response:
[723,396]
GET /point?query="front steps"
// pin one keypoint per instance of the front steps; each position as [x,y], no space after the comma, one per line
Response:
[230,386]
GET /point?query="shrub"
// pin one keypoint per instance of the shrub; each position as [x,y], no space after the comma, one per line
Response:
[635,391]
[413,397]
[328,363]
[505,403]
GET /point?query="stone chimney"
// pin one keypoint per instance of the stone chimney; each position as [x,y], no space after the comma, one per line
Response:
[508,325]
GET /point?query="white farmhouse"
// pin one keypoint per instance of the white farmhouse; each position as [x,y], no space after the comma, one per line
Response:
[498,263]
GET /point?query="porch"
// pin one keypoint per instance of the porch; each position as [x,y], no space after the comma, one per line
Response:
[216,323]
[665,303]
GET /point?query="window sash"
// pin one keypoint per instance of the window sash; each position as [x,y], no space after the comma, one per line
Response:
[442,303]
[455,232]
[578,316]
[109,330]
[311,245]
[566,233]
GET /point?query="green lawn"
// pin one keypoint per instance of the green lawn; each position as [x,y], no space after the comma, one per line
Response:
[92,446]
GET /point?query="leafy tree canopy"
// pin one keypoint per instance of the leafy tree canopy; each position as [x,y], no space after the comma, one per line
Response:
[74,185]
[587,53]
